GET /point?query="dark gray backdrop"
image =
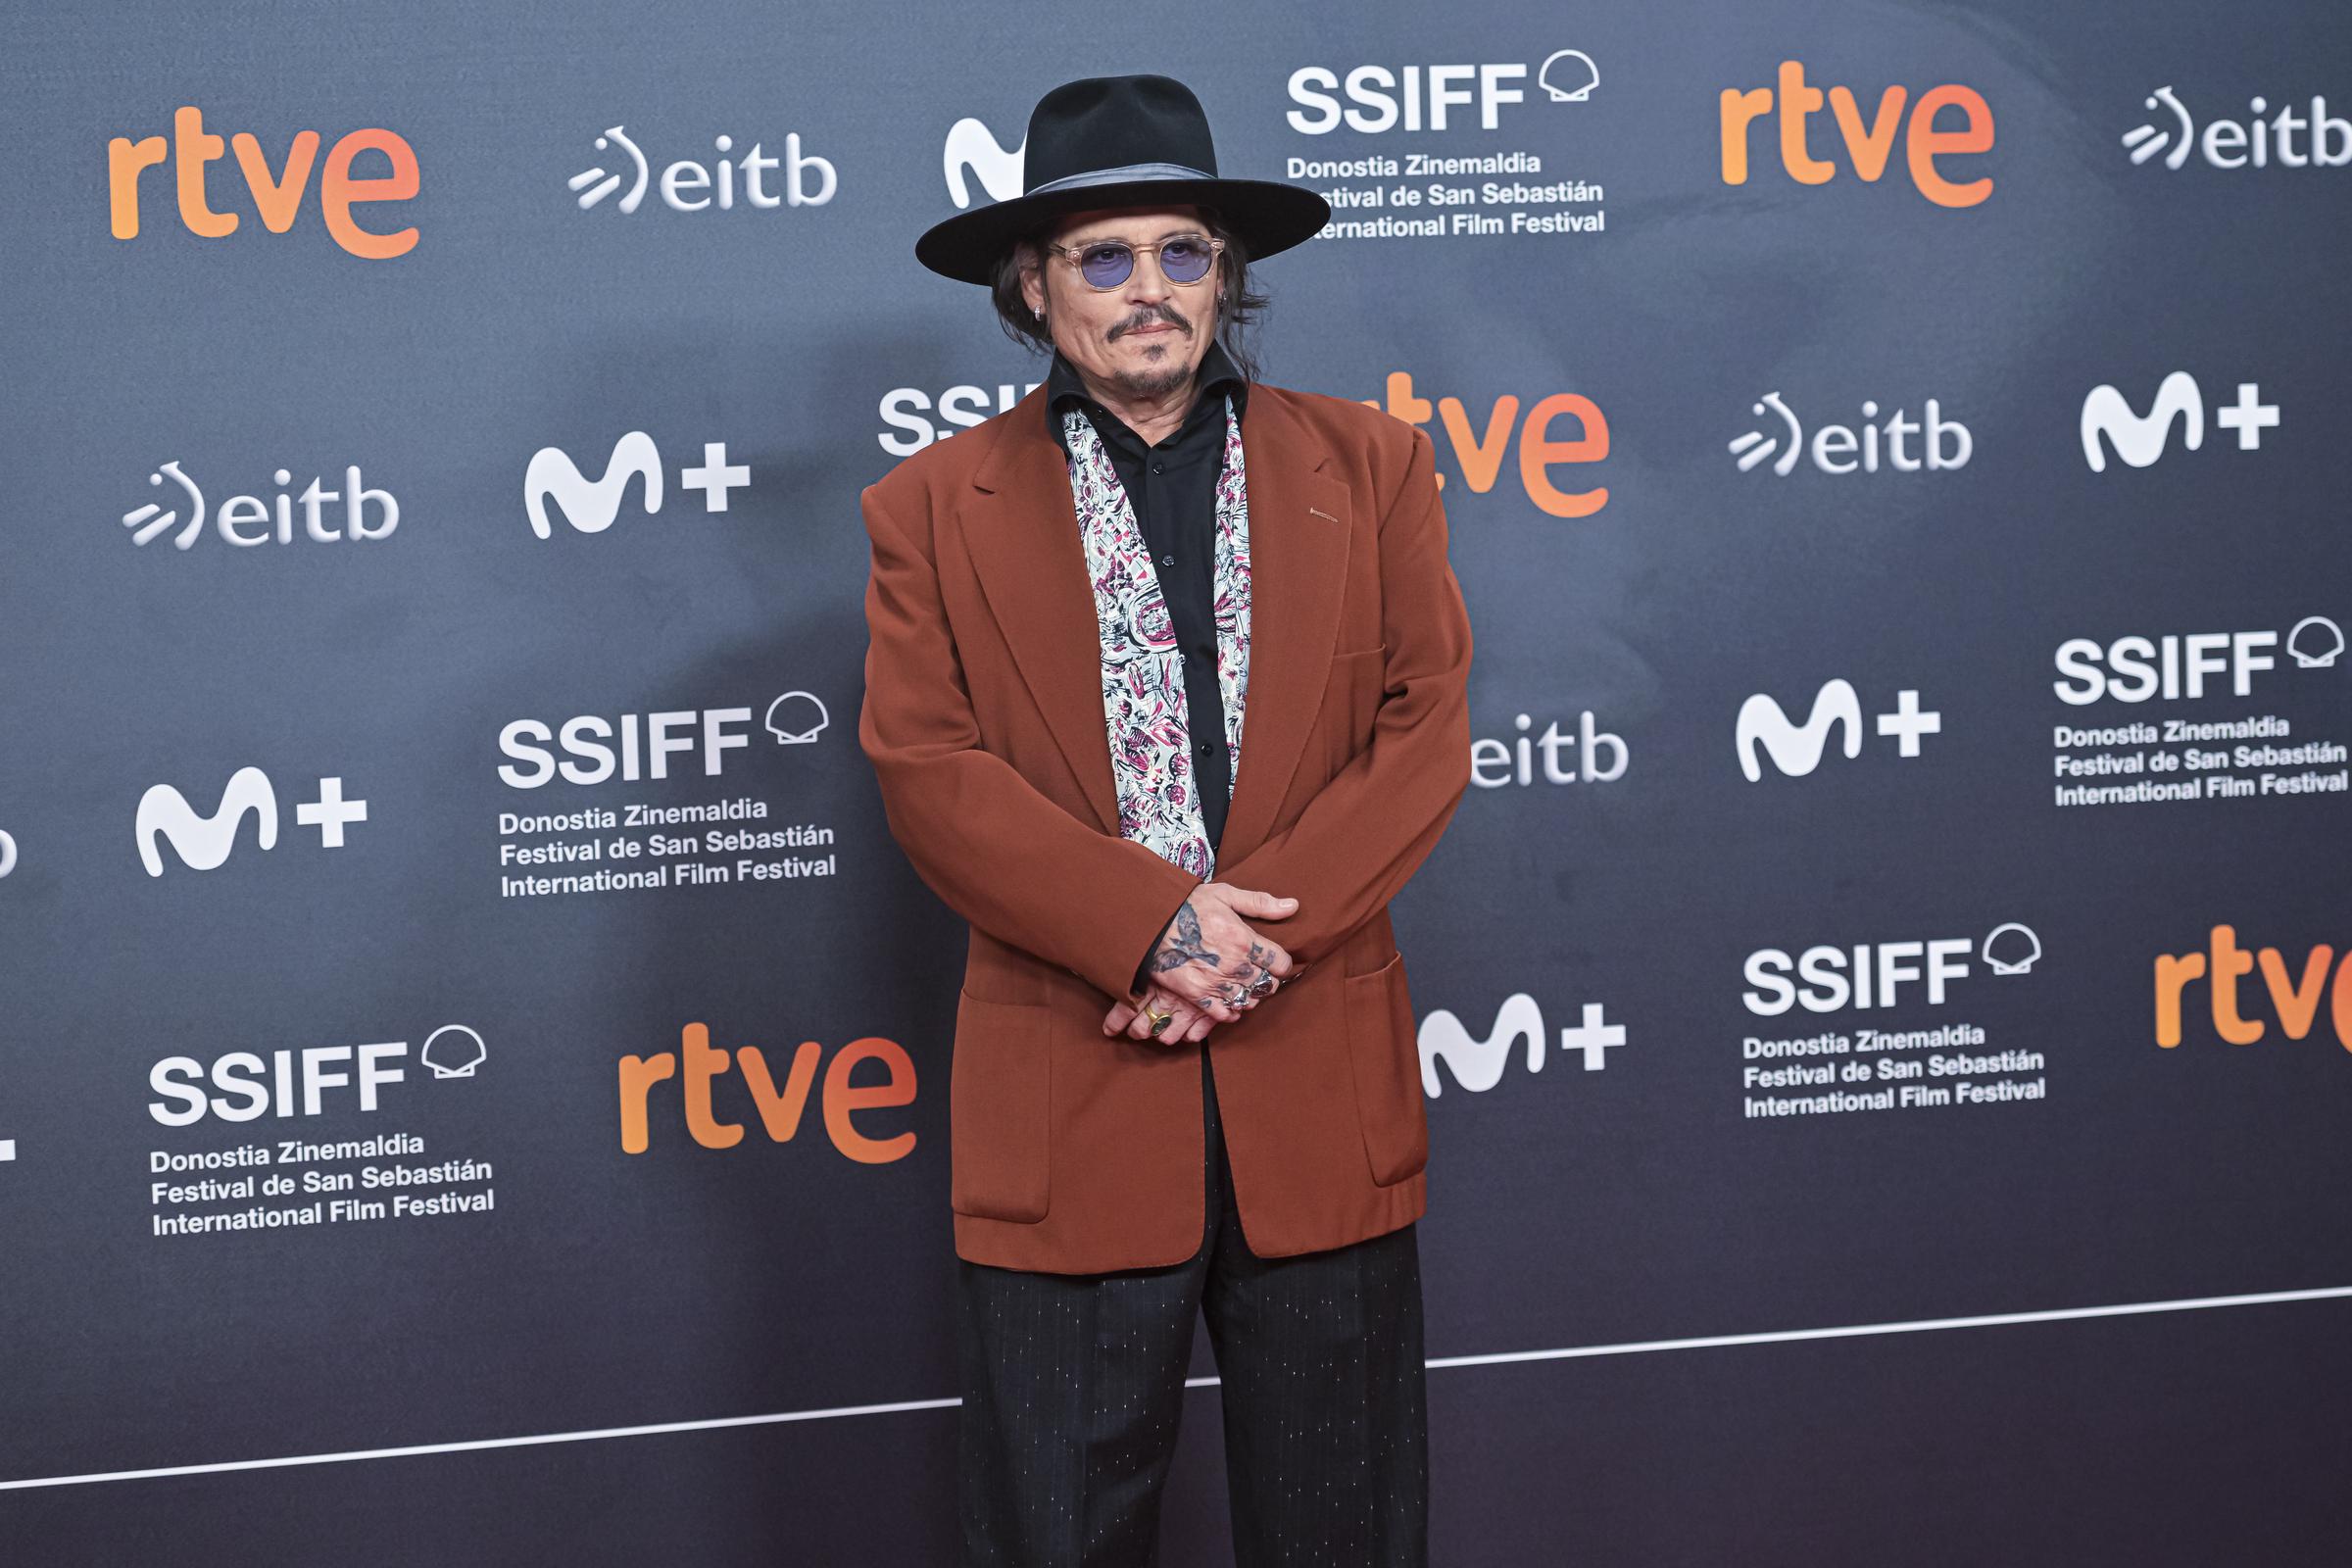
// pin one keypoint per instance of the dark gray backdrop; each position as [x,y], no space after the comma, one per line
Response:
[1591,1211]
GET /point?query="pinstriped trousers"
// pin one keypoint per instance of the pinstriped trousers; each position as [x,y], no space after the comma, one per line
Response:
[1073,1386]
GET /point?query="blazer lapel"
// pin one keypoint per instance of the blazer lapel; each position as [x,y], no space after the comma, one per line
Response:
[1021,529]
[1299,532]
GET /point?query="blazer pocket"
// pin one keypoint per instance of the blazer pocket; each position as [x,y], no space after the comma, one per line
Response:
[999,1089]
[1383,1050]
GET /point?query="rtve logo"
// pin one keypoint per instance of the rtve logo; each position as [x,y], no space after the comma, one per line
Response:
[2231,144]
[795,718]
[1764,729]
[779,1109]
[1477,1064]
[1378,99]
[958,408]
[1944,443]
[2140,440]
[203,842]
[684,182]
[1877,974]
[277,194]
[591,506]
[1480,453]
[2174,667]
[2294,997]
[1868,146]
[246,519]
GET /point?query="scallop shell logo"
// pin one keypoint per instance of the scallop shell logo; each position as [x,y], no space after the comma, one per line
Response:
[2315,642]
[796,718]
[1569,76]
[453,1050]
[2011,949]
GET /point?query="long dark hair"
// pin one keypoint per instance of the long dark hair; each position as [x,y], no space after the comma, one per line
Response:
[1237,318]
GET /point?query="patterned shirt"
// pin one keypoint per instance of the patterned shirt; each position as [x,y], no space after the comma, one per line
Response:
[1172,485]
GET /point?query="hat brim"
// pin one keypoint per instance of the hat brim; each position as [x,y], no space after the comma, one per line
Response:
[1267,216]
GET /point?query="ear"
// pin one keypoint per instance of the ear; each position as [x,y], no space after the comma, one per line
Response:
[1033,283]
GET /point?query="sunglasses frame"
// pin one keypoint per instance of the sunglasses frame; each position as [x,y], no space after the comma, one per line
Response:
[1071,253]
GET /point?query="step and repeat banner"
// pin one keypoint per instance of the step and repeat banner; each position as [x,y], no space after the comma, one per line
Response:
[476,1068]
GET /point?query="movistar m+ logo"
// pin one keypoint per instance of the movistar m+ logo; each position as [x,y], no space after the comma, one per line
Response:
[202,841]
[1764,729]
[2108,419]
[1477,1064]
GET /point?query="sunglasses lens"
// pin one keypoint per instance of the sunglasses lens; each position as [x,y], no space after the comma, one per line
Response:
[1106,266]
[1184,261]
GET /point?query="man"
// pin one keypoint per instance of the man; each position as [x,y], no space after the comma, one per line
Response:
[1166,695]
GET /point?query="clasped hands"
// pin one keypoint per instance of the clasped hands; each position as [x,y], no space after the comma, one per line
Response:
[1210,967]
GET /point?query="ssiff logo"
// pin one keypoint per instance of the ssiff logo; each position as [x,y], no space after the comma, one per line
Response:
[299,1082]
[2235,144]
[1764,729]
[958,408]
[688,186]
[1868,145]
[1477,1063]
[1877,974]
[648,741]
[276,193]
[2295,994]
[2173,666]
[1413,98]
[2140,440]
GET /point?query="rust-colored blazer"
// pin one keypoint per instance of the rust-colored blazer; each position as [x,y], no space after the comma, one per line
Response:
[1074,1152]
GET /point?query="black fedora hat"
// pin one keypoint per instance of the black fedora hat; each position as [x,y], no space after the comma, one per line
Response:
[1120,141]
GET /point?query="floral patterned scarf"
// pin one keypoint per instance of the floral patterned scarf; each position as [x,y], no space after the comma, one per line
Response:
[1143,712]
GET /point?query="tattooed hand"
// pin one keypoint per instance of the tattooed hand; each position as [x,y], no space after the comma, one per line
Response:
[1211,962]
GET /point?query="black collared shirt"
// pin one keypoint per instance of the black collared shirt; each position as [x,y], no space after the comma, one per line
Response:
[1172,485]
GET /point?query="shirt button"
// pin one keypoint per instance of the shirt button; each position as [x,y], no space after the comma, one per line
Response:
[1159,467]
[1167,560]
[1202,748]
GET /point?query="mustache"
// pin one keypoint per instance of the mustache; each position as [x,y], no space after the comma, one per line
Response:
[1153,318]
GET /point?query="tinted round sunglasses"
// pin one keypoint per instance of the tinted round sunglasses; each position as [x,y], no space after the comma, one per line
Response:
[1108,263]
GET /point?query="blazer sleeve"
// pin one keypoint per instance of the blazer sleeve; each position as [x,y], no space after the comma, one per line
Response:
[987,840]
[1366,832]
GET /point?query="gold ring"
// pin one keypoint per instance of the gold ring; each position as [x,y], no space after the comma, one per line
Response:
[1160,1020]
